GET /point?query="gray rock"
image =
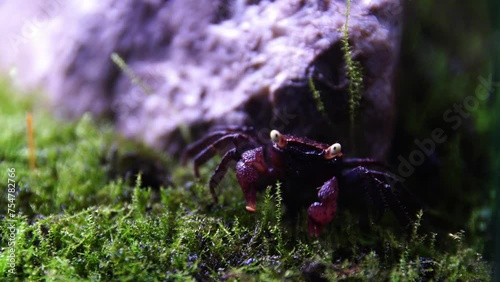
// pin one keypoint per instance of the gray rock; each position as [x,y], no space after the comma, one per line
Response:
[205,63]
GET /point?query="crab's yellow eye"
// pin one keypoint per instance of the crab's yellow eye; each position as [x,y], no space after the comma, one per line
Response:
[278,138]
[333,151]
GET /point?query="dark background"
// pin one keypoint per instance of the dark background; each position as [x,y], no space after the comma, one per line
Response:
[447,46]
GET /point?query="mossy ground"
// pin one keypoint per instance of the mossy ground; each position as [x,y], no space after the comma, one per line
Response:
[76,219]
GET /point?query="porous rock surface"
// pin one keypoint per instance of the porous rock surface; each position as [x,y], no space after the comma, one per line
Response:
[202,63]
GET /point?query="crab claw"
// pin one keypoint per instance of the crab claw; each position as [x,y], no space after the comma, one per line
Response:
[249,172]
[250,194]
[321,213]
[313,227]
[251,208]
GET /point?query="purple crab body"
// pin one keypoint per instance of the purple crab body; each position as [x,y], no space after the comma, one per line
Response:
[312,173]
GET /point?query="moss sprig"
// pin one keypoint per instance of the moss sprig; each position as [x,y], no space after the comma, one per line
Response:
[354,70]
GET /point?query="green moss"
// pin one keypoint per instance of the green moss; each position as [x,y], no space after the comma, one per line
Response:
[131,75]
[74,222]
[320,106]
[354,71]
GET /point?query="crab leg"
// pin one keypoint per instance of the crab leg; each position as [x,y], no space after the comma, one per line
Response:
[221,170]
[384,195]
[354,162]
[198,146]
[218,146]
[321,213]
